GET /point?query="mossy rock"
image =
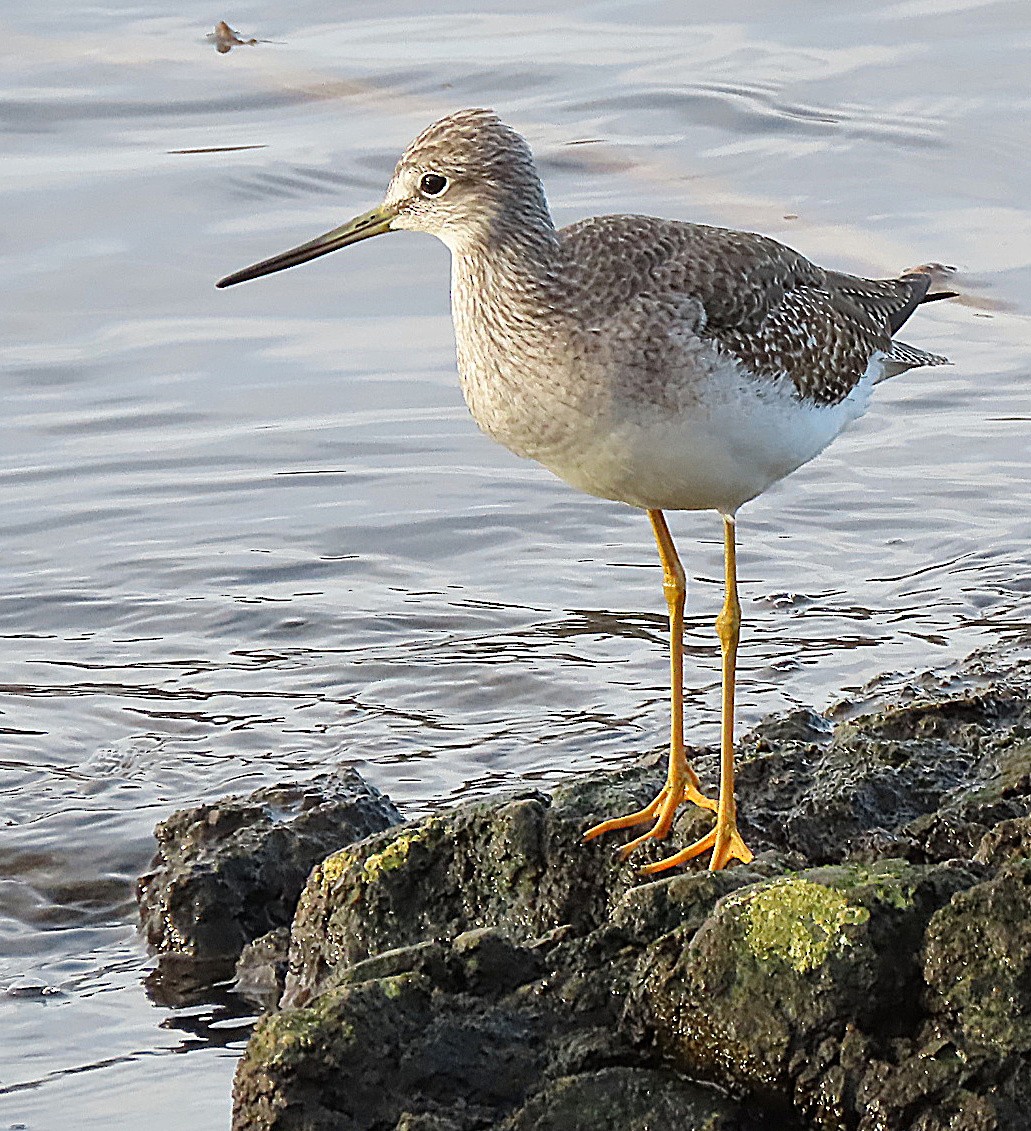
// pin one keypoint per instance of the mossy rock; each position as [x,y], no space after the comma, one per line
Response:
[978,961]
[868,971]
[782,965]
[519,861]
[625,1099]
[362,1055]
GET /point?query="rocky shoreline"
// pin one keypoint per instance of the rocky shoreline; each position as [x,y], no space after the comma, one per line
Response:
[482,968]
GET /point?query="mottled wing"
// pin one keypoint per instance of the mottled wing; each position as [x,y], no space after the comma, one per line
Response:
[765,305]
[891,302]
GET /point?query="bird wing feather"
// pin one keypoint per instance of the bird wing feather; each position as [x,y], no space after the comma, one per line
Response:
[762,303]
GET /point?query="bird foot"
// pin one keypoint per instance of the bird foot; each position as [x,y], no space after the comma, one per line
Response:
[725,842]
[661,811]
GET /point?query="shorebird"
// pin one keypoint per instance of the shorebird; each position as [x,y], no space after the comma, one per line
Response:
[663,364]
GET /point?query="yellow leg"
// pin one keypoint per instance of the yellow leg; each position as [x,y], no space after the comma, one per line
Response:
[681,781]
[724,839]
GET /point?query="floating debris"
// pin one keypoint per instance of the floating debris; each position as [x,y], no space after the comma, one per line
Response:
[225,38]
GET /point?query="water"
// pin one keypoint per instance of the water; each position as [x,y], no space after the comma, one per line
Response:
[250,534]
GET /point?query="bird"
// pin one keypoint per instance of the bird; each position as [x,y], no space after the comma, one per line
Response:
[659,363]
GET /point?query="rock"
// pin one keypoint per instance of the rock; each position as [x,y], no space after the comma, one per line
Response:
[261,968]
[518,861]
[759,996]
[624,1099]
[977,966]
[925,781]
[868,971]
[448,1043]
[228,872]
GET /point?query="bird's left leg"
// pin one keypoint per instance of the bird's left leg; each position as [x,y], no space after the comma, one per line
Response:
[681,781]
[724,839]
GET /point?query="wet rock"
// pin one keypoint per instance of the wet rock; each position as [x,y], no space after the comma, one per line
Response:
[801,725]
[978,972]
[179,981]
[758,995]
[518,862]
[260,971]
[448,1043]
[925,781]
[624,1099]
[492,964]
[1009,840]
[868,971]
[228,872]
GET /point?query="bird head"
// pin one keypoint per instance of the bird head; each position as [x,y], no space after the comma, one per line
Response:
[466,180]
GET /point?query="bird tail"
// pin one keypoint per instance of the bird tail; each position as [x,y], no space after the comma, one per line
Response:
[925,284]
[903,356]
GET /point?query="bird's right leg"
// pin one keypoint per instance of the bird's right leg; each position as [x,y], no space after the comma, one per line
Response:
[681,781]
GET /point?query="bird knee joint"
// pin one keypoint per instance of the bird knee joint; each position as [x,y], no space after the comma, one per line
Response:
[728,623]
[675,588]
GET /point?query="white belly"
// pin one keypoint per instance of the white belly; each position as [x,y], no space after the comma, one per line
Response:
[737,438]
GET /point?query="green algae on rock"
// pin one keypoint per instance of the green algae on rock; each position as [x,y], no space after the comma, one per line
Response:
[394,855]
[978,960]
[795,921]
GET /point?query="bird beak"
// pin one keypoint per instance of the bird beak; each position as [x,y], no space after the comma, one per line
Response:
[372,223]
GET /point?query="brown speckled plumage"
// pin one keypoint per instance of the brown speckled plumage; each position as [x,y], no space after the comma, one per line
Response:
[762,303]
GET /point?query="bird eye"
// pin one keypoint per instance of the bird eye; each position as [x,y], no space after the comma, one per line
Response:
[432,184]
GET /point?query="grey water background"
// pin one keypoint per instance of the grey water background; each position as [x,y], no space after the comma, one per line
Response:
[249,535]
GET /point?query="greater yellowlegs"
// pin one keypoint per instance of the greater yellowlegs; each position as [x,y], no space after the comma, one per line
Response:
[667,365]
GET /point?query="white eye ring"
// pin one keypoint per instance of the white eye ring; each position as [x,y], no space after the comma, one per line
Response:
[433,184]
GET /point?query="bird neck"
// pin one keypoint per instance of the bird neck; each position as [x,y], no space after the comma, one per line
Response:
[506,320]
[501,286]
[518,252]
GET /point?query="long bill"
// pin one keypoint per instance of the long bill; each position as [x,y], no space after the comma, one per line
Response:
[372,223]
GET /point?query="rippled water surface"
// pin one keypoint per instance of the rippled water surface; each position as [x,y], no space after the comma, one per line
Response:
[247,535]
